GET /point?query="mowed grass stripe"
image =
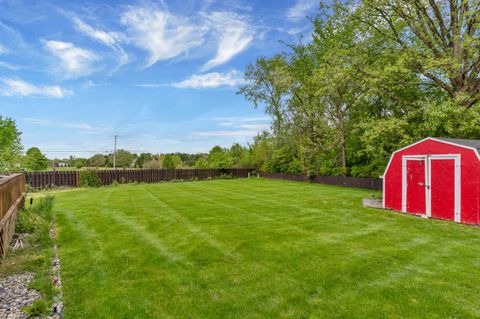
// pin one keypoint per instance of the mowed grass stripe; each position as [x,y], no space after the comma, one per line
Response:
[155,219]
[183,219]
[164,217]
[255,268]
[245,209]
[297,254]
[124,250]
[361,233]
[295,217]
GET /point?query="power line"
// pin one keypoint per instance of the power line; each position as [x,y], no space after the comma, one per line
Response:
[92,151]
[75,151]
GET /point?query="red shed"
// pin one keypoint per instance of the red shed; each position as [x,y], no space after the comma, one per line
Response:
[437,178]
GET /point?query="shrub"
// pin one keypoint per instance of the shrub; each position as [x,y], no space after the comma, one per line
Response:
[26,222]
[35,217]
[89,178]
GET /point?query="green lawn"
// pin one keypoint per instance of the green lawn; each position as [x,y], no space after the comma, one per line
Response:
[258,249]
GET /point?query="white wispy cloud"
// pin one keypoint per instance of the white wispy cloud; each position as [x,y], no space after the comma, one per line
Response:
[85,128]
[105,37]
[12,38]
[109,38]
[211,80]
[151,85]
[234,36]
[239,119]
[89,84]
[257,127]
[256,123]
[17,87]
[9,66]
[75,62]
[238,127]
[162,34]
[235,133]
[3,49]
[301,9]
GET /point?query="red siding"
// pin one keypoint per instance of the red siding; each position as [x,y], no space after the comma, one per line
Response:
[442,189]
[470,176]
[416,194]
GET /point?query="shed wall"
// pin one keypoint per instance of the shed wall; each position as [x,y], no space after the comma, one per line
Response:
[470,176]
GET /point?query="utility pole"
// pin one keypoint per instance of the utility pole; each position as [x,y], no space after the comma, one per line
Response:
[115,151]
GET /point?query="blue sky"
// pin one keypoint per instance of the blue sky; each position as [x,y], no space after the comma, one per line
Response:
[162,75]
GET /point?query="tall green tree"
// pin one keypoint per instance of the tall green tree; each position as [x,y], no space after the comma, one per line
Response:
[172,161]
[35,160]
[441,38]
[123,159]
[142,159]
[219,158]
[202,162]
[267,86]
[81,162]
[10,144]
[97,160]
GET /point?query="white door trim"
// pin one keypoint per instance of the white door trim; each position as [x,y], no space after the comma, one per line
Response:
[428,201]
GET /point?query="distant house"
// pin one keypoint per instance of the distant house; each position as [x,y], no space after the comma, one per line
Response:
[62,164]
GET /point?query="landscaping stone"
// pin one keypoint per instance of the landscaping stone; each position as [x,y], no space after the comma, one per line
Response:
[15,295]
[372,202]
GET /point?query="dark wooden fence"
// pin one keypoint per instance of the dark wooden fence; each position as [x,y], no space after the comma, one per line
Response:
[346,181]
[52,178]
[108,176]
[12,190]
[71,178]
[163,175]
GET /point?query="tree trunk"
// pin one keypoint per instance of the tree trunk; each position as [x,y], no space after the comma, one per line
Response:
[341,137]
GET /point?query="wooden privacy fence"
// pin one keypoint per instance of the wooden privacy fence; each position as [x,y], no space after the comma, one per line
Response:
[346,181]
[52,178]
[12,190]
[108,176]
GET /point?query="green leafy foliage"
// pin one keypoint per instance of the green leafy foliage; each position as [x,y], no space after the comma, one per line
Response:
[172,161]
[202,162]
[35,160]
[89,178]
[373,79]
[97,160]
[123,159]
[10,144]
[219,158]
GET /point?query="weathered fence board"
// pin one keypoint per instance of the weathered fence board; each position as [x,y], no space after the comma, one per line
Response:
[52,178]
[108,176]
[12,190]
[346,181]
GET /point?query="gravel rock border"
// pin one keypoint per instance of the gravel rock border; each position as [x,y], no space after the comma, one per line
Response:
[15,295]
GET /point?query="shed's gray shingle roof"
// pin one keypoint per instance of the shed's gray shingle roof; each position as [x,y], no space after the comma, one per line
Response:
[460,141]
